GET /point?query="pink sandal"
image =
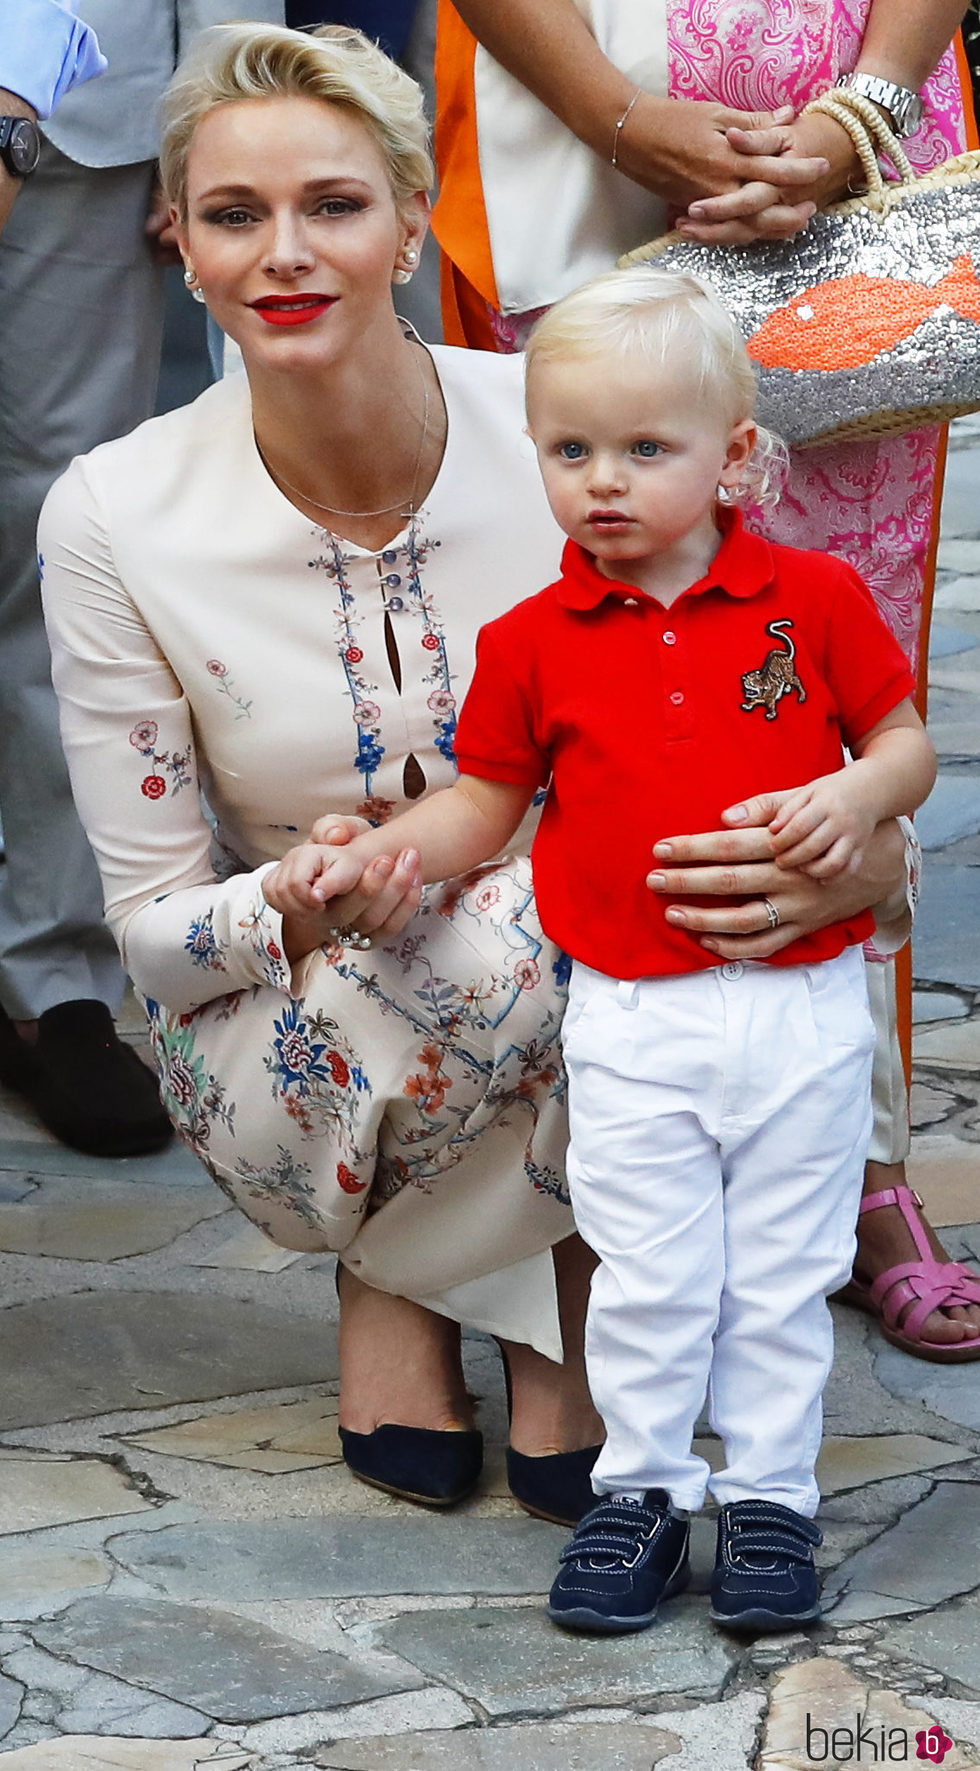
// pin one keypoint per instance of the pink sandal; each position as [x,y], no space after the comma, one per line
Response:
[925,1284]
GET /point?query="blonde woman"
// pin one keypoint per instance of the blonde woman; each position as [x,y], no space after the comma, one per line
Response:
[274,593]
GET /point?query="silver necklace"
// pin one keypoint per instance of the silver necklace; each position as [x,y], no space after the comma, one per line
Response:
[334,509]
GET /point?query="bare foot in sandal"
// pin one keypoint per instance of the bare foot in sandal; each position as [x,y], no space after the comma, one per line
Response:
[896,1237]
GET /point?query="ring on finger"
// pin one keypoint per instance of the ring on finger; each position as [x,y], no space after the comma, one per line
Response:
[771,912]
[349,937]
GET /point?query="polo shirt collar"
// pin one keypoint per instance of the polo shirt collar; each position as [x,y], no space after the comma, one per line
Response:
[742,567]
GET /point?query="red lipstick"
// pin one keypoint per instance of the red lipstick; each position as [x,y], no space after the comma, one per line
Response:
[291,310]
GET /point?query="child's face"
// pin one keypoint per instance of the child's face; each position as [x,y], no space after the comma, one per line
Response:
[632,456]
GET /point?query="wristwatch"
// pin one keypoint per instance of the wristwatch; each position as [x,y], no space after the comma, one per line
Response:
[20,145]
[904,107]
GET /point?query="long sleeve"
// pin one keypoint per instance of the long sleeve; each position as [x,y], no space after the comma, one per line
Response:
[185,937]
[45,51]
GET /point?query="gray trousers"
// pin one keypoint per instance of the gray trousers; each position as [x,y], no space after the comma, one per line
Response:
[81,316]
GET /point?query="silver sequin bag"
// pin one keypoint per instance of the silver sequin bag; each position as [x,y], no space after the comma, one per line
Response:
[868,322]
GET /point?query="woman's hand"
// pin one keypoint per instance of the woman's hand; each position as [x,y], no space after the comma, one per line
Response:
[737,864]
[385,898]
[776,204]
[686,150]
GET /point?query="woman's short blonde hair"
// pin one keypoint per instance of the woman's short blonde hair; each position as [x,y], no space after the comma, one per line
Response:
[230,63]
[667,317]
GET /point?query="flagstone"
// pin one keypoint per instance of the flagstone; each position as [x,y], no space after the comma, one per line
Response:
[345,1555]
[38,1490]
[249,1251]
[937,1005]
[953,807]
[821,1697]
[92,1353]
[850,1462]
[959,556]
[962,592]
[554,1746]
[26,1146]
[947,642]
[226,1666]
[14,1188]
[945,1171]
[945,949]
[516,1662]
[930,1555]
[953,1047]
[11,1697]
[91,1752]
[32,1575]
[286,1436]
[948,1641]
[105,1222]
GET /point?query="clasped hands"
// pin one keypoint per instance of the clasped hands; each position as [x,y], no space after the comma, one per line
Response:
[737,176]
[318,889]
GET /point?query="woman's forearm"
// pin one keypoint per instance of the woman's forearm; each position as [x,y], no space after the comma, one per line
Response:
[547,45]
[904,39]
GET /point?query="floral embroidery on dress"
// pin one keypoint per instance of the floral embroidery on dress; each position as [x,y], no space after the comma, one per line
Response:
[370,751]
[258,927]
[400,573]
[223,682]
[203,945]
[314,1073]
[194,1098]
[174,764]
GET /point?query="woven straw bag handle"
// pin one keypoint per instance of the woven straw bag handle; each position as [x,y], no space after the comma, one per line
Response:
[871,136]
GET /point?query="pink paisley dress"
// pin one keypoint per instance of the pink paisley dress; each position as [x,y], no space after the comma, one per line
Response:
[873,502]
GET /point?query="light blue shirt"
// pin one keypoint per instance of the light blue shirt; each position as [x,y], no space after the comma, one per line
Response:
[45,51]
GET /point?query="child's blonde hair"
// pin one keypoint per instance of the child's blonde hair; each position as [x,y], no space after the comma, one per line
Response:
[666,316]
[334,63]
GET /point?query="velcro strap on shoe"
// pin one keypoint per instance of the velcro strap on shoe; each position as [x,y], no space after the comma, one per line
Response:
[773,1531]
[618,1535]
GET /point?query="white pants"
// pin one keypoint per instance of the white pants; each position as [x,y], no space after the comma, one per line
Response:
[719,1124]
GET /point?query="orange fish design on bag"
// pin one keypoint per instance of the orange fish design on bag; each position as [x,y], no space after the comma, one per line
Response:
[849,322]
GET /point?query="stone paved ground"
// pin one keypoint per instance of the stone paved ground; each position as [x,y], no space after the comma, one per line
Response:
[188,1577]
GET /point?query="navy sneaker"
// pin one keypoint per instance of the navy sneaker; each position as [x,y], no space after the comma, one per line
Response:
[625,1557]
[764,1578]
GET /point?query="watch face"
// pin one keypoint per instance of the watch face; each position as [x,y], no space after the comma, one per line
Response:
[23,148]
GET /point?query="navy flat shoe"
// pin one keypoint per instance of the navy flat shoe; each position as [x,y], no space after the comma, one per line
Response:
[556,1487]
[423,1464]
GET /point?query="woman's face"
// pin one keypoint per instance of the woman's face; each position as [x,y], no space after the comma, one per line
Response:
[292,228]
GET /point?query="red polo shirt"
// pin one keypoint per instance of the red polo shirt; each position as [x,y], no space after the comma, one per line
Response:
[648,722]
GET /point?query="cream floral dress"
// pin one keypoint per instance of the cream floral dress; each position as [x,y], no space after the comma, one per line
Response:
[402,1105]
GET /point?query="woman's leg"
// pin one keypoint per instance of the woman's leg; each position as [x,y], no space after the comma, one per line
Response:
[399,1363]
[884,1237]
[552,1407]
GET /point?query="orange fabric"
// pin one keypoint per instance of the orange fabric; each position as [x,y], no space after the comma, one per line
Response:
[459,220]
[903,962]
[969,115]
[465,315]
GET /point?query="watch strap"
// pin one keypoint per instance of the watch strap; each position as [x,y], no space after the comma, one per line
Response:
[902,105]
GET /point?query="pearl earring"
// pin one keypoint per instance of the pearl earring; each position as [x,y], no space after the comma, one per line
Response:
[190,278]
[410,255]
[402,276]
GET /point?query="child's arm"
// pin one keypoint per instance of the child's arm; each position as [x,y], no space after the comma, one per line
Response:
[453,831]
[824,827]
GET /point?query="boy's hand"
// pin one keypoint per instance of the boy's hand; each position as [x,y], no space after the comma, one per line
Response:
[308,876]
[823,828]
